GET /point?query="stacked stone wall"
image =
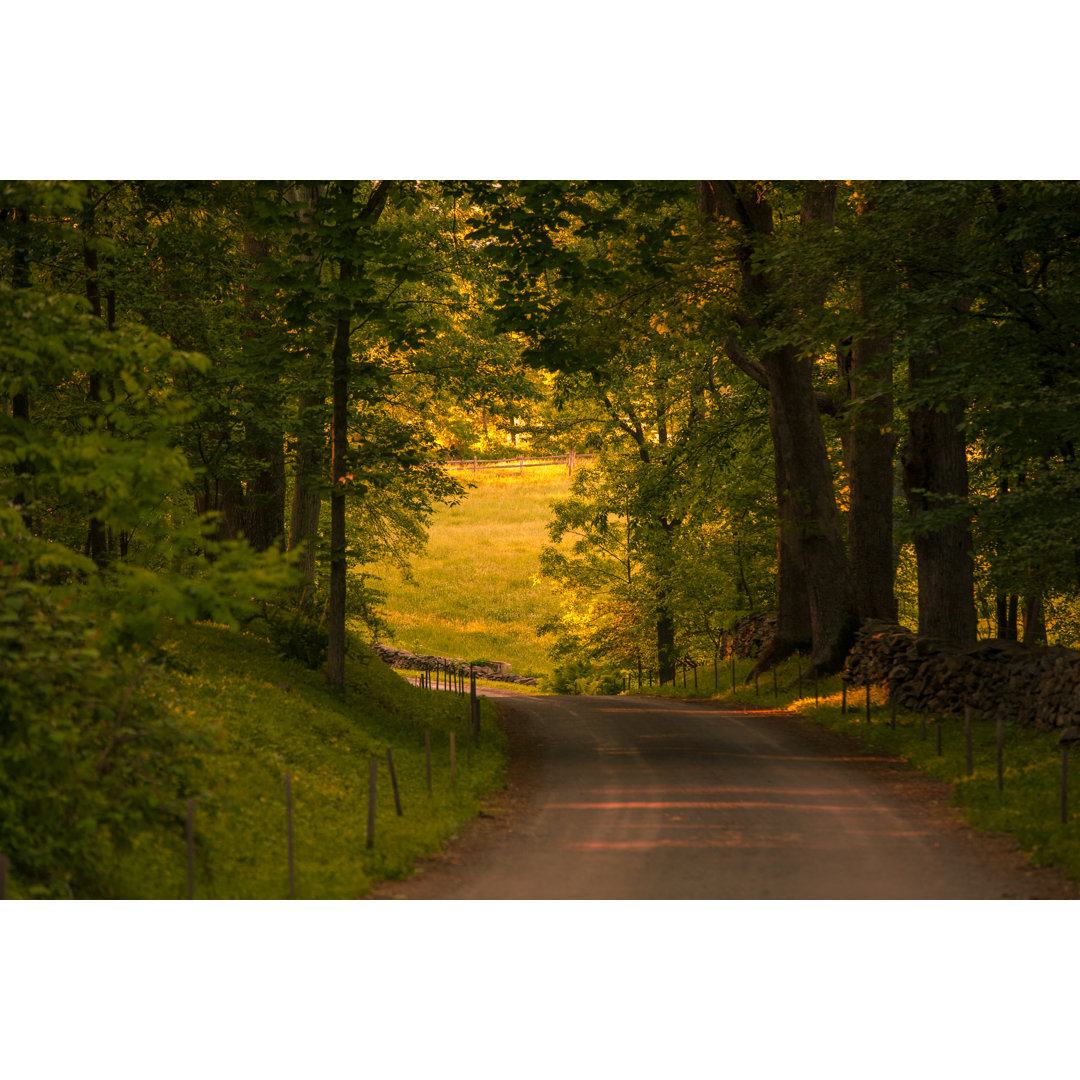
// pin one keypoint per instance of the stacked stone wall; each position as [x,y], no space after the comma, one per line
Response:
[751,634]
[498,671]
[1037,687]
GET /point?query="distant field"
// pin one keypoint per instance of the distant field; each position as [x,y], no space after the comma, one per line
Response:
[476,595]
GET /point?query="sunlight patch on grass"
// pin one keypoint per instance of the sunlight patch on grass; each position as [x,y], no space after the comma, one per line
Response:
[475,591]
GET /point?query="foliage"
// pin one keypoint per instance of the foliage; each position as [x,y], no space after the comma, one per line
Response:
[264,718]
[582,677]
[86,759]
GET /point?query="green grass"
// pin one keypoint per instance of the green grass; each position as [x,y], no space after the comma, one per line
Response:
[267,717]
[1028,806]
[476,592]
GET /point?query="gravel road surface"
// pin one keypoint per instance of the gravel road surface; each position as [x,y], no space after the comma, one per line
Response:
[643,798]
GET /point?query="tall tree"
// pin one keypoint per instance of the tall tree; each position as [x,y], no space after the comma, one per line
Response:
[794,419]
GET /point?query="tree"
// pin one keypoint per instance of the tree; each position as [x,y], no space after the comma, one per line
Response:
[804,468]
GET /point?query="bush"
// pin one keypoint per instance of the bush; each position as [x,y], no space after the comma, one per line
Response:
[87,759]
[299,632]
[581,677]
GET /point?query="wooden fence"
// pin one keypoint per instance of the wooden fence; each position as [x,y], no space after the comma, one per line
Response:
[518,464]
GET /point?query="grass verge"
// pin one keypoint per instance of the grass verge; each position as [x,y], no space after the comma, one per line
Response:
[267,717]
[1028,804]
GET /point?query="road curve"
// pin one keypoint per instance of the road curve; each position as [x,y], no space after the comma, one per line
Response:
[645,798]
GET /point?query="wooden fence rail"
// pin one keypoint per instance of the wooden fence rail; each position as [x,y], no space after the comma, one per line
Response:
[518,463]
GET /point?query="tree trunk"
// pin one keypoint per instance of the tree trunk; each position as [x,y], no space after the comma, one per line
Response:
[799,440]
[97,545]
[262,512]
[869,446]
[795,422]
[665,646]
[310,441]
[335,660]
[1034,620]
[307,499]
[20,401]
[935,478]
[793,627]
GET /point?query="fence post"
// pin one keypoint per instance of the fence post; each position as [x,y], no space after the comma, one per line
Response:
[393,780]
[190,850]
[843,696]
[1064,783]
[474,705]
[967,739]
[372,778]
[288,818]
[1001,751]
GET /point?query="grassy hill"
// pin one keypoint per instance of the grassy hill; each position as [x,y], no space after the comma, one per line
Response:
[263,717]
[475,593]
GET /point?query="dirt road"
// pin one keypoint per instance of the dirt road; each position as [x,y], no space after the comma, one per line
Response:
[642,798]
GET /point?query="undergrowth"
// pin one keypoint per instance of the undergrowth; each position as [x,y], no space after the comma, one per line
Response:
[264,717]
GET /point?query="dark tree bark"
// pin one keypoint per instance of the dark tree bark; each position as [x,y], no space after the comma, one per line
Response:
[869,448]
[335,660]
[935,479]
[261,513]
[307,498]
[1034,620]
[1007,617]
[97,540]
[20,401]
[310,443]
[795,423]
[793,626]
[665,646]
[339,444]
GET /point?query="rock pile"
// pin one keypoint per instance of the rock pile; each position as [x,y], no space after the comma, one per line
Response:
[751,634]
[1037,687]
[499,671]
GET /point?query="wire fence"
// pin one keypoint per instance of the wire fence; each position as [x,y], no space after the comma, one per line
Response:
[463,686]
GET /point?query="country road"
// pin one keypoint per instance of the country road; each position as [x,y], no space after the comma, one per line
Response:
[644,798]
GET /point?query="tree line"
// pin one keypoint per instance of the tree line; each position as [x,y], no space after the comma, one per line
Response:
[904,349]
[228,400]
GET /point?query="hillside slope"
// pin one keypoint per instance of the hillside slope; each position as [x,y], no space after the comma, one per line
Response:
[265,717]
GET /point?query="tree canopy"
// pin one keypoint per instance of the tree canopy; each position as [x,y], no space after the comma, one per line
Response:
[225,400]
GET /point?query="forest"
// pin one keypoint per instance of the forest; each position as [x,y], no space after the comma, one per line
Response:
[226,401]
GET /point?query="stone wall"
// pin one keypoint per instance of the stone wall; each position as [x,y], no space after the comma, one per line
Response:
[1037,687]
[751,634]
[499,671]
